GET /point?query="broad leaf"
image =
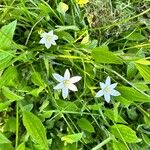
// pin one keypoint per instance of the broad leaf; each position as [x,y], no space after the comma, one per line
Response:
[103,55]
[6,34]
[3,139]
[72,138]
[7,76]
[21,147]
[118,146]
[35,128]
[124,133]
[37,80]
[84,124]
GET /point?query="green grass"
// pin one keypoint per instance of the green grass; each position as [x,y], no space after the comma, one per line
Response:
[103,38]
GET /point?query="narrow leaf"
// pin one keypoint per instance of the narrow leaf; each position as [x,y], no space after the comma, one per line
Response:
[10,95]
[144,71]
[132,95]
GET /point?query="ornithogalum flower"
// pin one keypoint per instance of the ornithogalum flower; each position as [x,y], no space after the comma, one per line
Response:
[48,39]
[66,83]
[107,89]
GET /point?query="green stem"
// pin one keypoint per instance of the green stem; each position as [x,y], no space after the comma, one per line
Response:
[17,125]
[102,144]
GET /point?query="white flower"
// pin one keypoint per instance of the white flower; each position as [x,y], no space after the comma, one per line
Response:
[48,39]
[66,83]
[107,89]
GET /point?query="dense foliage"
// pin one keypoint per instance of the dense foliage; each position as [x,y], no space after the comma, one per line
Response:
[96,40]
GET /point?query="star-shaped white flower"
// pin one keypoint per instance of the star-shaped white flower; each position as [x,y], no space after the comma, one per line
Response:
[48,39]
[66,83]
[107,89]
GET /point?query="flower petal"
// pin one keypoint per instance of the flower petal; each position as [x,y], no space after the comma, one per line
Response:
[115,93]
[75,79]
[47,44]
[55,37]
[50,33]
[99,93]
[59,86]
[42,41]
[72,87]
[67,75]
[107,97]
[112,86]
[58,77]
[102,85]
[65,92]
[53,42]
[108,81]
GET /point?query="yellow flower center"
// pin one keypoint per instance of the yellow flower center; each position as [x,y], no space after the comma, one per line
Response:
[49,37]
[66,82]
[107,89]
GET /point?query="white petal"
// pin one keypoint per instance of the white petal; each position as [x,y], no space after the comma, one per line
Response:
[58,77]
[53,42]
[72,87]
[115,93]
[65,92]
[102,85]
[50,33]
[47,44]
[112,86]
[55,37]
[107,82]
[42,41]
[75,79]
[99,93]
[107,97]
[59,86]
[67,75]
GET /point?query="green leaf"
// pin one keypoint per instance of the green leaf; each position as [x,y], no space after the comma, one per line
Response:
[110,114]
[6,34]
[21,147]
[103,55]
[37,80]
[6,146]
[124,133]
[135,37]
[35,128]
[63,28]
[4,105]
[10,125]
[84,124]
[7,76]
[72,138]
[36,92]
[144,71]
[131,70]
[5,59]
[142,61]
[62,8]
[10,95]
[118,146]
[66,106]
[132,95]
[3,139]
